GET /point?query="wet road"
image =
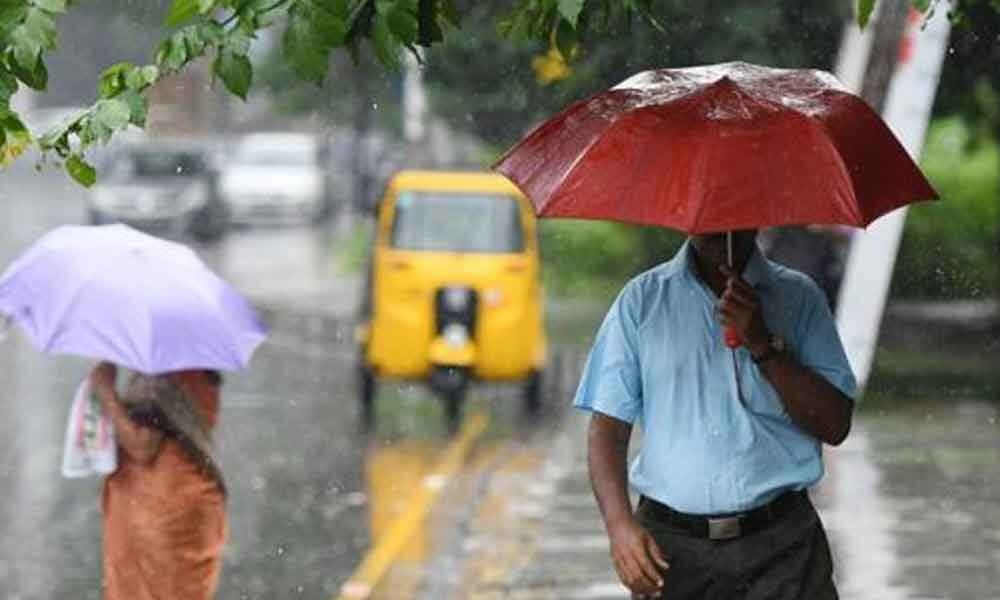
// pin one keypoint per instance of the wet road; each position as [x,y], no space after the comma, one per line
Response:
[910,501]
[287,437]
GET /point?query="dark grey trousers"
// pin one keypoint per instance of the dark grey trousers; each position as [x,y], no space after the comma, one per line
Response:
[788,560]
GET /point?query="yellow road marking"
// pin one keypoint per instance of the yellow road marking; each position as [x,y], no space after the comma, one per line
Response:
[376,563]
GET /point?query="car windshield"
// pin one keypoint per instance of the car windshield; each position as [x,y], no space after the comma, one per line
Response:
[457,222]
[157,164]
[287,155]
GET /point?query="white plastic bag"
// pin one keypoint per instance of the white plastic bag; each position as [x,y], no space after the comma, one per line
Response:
[90,447]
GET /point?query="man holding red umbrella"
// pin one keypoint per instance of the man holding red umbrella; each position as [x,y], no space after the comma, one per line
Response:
[730,364]
[727,453]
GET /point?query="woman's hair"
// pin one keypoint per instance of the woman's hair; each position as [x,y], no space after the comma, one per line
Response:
[214,377]
[156,401]
[142,397]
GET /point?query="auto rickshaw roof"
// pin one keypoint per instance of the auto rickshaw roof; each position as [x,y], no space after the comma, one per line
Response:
[454,181]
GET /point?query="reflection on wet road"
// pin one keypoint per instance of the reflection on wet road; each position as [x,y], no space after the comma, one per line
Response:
[912,504]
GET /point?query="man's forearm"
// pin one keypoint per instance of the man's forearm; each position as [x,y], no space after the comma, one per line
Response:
[812,402]
[607,458]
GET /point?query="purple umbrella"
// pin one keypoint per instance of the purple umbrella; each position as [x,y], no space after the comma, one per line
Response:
[113,293]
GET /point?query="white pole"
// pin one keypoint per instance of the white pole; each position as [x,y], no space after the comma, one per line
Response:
[868,272]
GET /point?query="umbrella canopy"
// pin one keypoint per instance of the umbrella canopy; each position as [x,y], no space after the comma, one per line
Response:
[718,148]
[113,293]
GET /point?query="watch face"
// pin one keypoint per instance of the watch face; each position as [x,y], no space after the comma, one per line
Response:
[778,343]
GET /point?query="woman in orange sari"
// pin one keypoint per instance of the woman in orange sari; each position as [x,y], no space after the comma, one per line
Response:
[164,507]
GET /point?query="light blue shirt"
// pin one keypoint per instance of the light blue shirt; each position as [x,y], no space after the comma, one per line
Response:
[710,445]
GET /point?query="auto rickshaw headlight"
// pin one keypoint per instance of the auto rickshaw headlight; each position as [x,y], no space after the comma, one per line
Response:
[456,335]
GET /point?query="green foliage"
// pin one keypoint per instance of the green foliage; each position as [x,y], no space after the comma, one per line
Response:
[595,258]
[865,9]
[225,29]
[79,170]
[949,248]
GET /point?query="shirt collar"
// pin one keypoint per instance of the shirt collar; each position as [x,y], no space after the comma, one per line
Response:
[757,271]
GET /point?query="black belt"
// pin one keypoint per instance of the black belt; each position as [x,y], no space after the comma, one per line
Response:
[726,527]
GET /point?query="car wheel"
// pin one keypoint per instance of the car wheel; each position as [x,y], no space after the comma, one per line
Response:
[366,398]
[208,227]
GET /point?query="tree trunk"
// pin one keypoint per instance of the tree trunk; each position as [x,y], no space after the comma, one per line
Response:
[884,54]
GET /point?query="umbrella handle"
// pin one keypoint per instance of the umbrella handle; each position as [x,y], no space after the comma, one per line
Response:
[732,337]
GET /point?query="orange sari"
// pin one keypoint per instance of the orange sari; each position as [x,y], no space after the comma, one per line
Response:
[165,523]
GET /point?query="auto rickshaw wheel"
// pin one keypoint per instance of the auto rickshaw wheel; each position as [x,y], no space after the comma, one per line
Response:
[531,394]
[451,384]
[366,397]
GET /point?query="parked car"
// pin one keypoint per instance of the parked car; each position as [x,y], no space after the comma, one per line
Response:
[168,188]
[277,178]
[453,291]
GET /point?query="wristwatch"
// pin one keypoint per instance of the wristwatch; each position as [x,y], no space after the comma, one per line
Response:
[775,347]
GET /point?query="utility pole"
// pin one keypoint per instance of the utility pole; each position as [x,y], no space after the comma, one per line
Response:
[901,79]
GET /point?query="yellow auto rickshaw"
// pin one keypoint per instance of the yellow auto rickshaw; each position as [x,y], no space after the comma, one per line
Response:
[453,292]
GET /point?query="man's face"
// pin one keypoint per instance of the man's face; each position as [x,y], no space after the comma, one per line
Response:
[713,247]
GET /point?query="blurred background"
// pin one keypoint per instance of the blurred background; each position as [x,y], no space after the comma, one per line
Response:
[279,194]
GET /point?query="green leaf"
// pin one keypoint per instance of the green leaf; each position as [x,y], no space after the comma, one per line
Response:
[140,79]
[9,121]
[181,11]
[206,6]
[36,33]
[56,138]
[52,6]
[387,49]
[16,141]
[402,23]
[194,42]
[41,27]
[307,41]
[113,79]
[212,32]
[173,54]
[138,108]
[80,170]
[865,8]
[36,77]
[238,42]
[235,72]
[8,85]
[430,24]
[570,10]
[113,113]
[922,5]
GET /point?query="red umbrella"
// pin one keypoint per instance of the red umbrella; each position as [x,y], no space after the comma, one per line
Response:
[718,148]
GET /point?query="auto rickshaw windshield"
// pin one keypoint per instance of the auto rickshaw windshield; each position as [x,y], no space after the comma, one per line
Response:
[457,222]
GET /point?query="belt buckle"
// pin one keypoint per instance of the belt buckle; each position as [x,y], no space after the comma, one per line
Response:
[725,528]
